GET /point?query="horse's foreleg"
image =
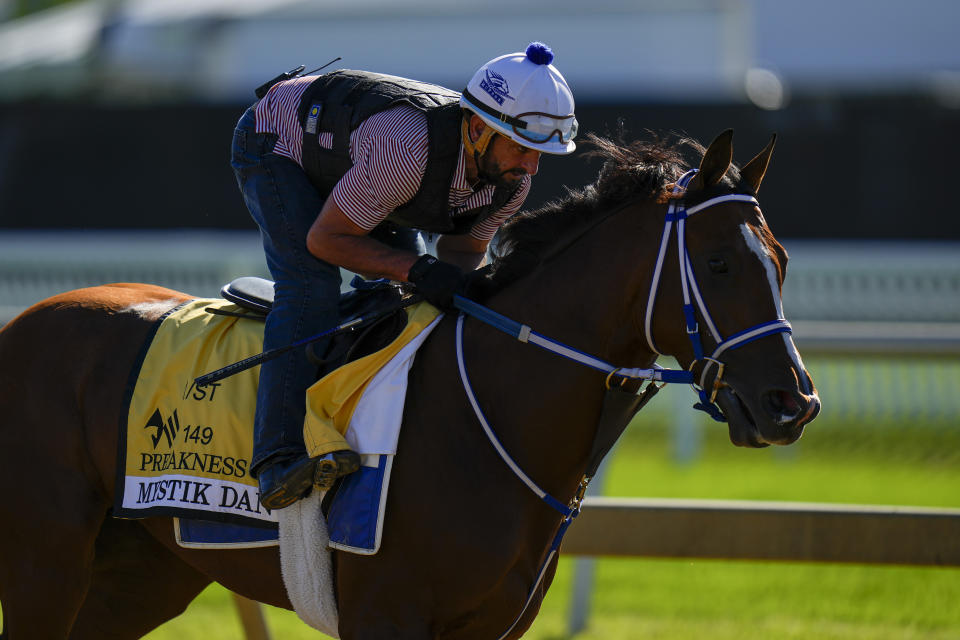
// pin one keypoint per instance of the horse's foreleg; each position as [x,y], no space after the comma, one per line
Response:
[138,584]
[379,609]
[372,629]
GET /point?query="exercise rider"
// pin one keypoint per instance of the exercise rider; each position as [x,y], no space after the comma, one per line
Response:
[341,170]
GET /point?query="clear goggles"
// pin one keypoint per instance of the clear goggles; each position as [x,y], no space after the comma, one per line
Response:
[540,127]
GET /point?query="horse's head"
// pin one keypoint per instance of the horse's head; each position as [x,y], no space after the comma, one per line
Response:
[717,309]
[720,313]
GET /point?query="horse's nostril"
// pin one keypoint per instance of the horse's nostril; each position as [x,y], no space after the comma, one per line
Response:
[782,405]
[808,388]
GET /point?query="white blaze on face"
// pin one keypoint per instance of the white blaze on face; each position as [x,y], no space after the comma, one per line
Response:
[756,244]
[759,248]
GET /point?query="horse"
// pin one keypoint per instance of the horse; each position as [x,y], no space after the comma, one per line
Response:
[464,540]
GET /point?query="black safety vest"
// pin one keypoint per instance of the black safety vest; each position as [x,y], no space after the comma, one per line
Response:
[339,101]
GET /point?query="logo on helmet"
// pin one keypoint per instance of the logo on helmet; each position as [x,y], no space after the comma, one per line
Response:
[496,85]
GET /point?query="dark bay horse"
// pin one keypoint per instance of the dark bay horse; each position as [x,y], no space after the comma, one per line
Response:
[464,539]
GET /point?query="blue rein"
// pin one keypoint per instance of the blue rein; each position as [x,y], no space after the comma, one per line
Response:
[525,334]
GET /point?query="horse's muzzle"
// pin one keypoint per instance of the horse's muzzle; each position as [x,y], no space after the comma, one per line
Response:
[778,416]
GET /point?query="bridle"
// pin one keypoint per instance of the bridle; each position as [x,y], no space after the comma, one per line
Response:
[678,213]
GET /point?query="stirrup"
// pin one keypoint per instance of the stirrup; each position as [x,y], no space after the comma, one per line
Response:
[333,465]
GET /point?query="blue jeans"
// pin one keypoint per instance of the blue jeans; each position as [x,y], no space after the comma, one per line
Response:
[284,205]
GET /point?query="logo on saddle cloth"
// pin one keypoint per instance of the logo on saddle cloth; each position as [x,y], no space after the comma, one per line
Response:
[186,450]
[168,429]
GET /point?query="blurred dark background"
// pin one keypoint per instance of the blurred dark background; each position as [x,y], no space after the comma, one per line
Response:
[844,167]
[118,114]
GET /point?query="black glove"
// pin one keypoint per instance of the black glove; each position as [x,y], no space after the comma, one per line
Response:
[437,281]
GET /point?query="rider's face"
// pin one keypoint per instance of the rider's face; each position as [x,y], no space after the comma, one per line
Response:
[506,163]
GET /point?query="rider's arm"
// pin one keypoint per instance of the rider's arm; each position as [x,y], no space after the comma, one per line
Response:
[334,238]
[390,163]
[465,251]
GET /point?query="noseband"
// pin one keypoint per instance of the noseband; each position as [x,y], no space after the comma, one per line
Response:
[678,213]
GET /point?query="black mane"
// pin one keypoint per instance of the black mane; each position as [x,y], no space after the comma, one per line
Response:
[639,169]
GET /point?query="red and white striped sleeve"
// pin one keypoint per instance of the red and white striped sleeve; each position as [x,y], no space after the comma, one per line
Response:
[277,113]
[389,152]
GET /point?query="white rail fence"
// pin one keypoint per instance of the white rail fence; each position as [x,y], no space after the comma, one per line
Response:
[755,530]
[34,266]
[905,290]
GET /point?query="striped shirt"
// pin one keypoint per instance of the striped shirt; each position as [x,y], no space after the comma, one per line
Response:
[389,153]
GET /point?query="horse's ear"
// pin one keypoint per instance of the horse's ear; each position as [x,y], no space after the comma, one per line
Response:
[753,172]
[715,162]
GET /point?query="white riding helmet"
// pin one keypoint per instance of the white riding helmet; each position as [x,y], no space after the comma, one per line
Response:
[523,97]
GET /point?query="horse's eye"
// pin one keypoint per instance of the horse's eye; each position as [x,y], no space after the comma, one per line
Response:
[717,264]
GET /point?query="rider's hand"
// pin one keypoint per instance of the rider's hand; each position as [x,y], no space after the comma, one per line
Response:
[437,281]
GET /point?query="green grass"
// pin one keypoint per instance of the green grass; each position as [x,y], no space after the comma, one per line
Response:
[876,464]
[703,599]
[683,599]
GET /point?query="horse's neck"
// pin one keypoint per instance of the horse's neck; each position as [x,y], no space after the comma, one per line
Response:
[592,294]
[587,298]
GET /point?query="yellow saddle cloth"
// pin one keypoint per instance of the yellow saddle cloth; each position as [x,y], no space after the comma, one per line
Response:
[185,451]
[332,403]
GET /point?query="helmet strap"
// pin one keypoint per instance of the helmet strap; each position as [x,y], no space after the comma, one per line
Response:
[478,148]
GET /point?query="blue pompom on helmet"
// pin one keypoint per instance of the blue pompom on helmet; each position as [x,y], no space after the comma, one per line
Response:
[539,53]
[525,98]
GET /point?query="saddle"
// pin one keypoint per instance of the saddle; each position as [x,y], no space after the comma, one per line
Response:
[366,298]
[347,503]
